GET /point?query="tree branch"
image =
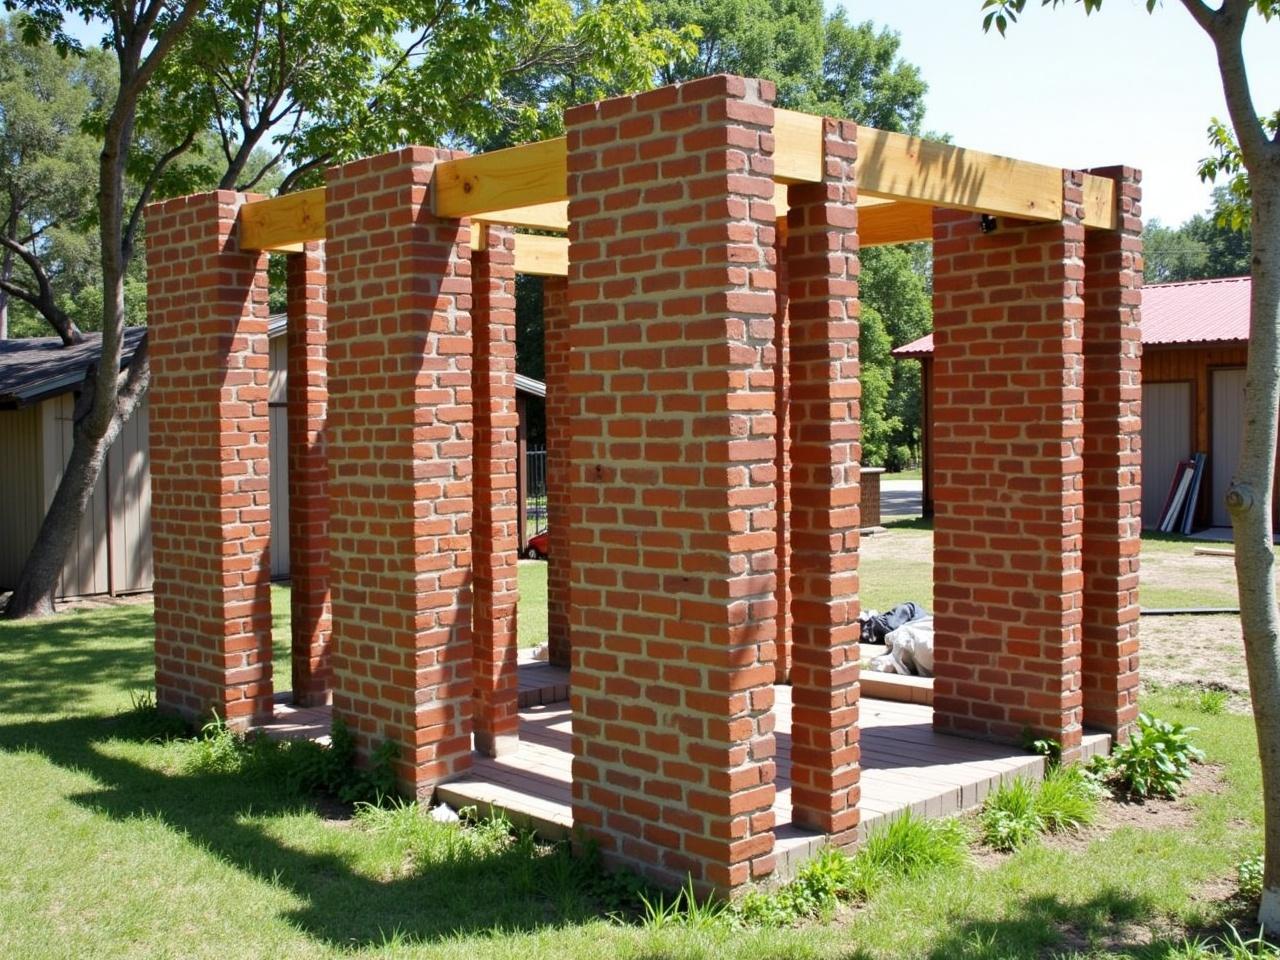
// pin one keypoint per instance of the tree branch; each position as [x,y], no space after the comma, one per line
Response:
[1225,27]
[144,197]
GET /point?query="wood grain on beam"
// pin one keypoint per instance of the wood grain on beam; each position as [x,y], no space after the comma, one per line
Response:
[542,256]
[283,223]
[529,175]
[1099,202]
[894,223]
[902,167]
[542,216]
[797,147]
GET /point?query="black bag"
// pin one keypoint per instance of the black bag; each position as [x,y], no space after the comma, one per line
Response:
[879,625]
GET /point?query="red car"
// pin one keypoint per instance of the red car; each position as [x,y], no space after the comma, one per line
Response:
[537,547]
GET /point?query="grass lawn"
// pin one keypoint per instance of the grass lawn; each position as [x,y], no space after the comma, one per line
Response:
[898,565]
[113,845]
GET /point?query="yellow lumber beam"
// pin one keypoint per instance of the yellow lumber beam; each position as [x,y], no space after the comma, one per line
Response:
[541,216]
[526,176]
[542,256]
[797,147]
[902,167]
[1100,202]
[283,223]
[887,223]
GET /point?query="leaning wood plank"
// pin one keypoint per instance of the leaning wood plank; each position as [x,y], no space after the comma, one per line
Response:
[903,167]
[283,223]
[528,175]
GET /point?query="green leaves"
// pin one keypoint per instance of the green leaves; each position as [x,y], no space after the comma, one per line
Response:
[1156,760]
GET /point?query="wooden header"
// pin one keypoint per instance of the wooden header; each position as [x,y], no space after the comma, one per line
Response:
[525,187]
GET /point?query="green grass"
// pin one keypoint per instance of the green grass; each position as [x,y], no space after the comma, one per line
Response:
[888,578]
[531,613]
[113,845]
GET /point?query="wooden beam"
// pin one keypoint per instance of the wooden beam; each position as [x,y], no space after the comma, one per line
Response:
[797,147]
[1100,202]
[526,176]
[894,223]
[283,223]
[542,256]
[902,167]
[542,216]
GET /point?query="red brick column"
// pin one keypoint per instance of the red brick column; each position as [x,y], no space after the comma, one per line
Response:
[1113,460]
[400,465]
[307,402]
[782,406]
[210,515]
[494,541]
[671,293]
[822,267]
[559,408]
[1007,484]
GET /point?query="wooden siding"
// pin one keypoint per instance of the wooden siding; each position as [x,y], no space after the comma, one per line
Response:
[1166,441]
[278,455]
[129,463]
[20,480]
[85,571]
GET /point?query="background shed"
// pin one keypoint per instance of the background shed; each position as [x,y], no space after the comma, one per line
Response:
[1195,339]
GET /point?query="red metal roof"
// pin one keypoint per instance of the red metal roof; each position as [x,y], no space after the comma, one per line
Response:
[1198,311]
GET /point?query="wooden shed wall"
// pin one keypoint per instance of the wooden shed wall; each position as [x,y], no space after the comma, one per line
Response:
[21,507]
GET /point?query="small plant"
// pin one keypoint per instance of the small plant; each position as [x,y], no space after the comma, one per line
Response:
[1156,760]
[908,848]
[1047,747]
[685,910]
[218,749]
[1009,817]
[1212,703]
[1249,873]
[1067,799]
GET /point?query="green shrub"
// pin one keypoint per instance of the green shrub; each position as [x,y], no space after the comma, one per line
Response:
[1249,872]
[1156,760]
[1010,817]
[1067,799]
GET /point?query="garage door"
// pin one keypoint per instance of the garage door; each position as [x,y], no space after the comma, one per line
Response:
[1166,441]
[1227,410]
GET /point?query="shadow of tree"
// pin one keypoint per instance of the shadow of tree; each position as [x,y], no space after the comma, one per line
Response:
[48,665]
[1113,922]
[228,814]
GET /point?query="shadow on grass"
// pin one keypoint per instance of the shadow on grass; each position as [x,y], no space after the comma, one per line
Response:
[51,664]
[426,901]
[909,523]
[1113,922]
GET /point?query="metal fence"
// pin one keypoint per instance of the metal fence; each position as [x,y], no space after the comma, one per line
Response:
[535,501]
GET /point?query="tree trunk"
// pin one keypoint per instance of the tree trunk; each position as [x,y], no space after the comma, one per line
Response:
[1249,502]
[6,273]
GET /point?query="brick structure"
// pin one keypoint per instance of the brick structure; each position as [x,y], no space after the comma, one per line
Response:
[494,539]
[822,272]
[671,293]
[1112,461]
[782,462]
[1008,314]
[400,465]
[207,304]
[307,403]
[559,412]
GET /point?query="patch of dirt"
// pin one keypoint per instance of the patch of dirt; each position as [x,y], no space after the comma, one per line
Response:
[1200,651]
[1175,568]
[1124,935]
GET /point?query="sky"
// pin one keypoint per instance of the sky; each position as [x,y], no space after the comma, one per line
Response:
[1120,86]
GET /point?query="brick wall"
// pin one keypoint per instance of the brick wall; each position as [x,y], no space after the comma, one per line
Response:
[1008,492]
[307,402]
[494,540]
[674,546]
[822,271]
[207,304]
[559,412]
[400,465]
[1113,460]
